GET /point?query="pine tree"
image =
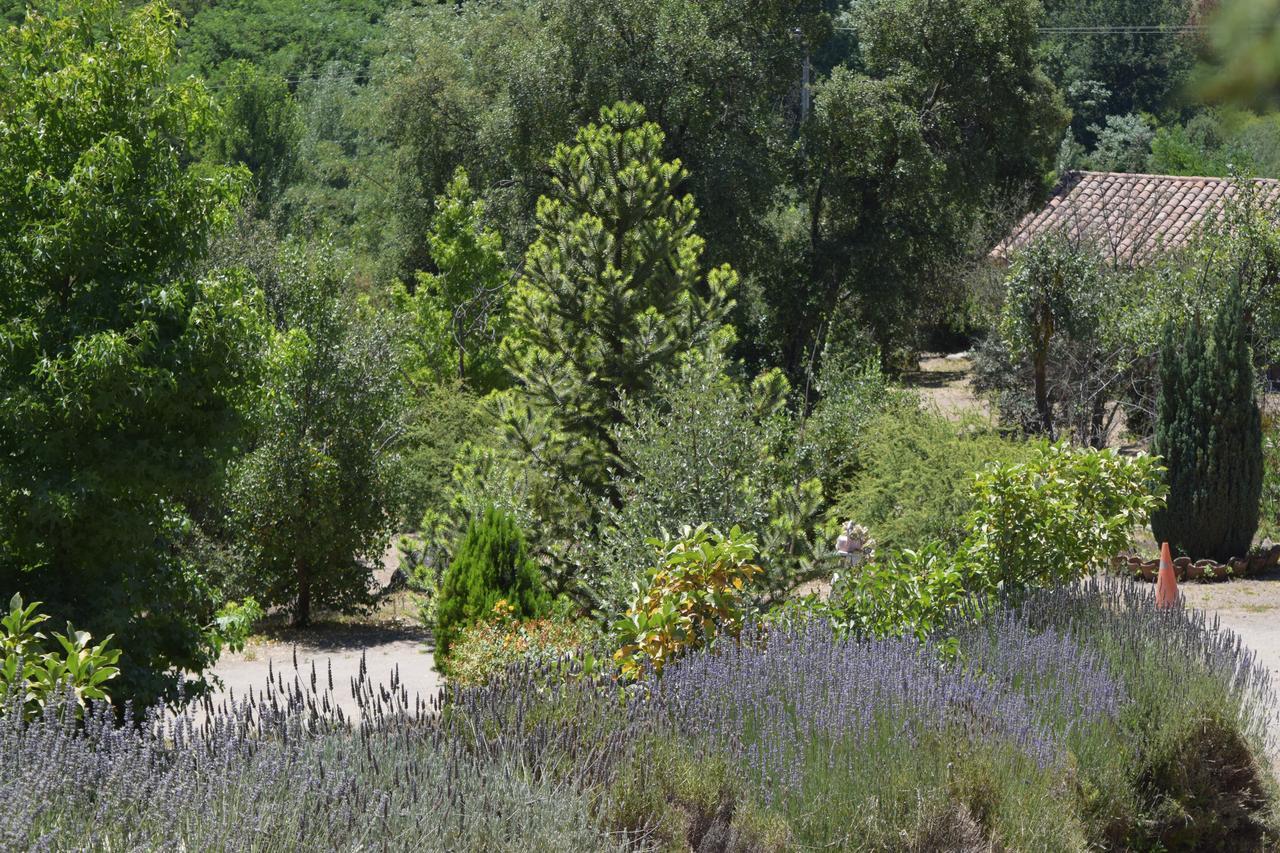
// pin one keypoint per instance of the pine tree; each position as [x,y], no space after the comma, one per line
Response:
[612,291]
[1209,433]
[490,564]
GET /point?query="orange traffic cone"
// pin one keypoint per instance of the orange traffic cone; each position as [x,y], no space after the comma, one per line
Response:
[1166,581]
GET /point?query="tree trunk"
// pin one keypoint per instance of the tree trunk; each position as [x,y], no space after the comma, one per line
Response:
[1040,363]
[302,612]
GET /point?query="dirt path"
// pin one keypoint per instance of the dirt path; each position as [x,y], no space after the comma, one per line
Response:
[945,382]
[339,649]
[1249,607]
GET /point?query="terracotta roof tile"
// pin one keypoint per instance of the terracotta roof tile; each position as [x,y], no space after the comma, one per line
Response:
[1134,216]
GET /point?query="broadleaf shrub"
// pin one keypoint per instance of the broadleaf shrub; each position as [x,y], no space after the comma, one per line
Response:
[695,594]
[1060,514]
[1050,519]
[32,676]
[490,564]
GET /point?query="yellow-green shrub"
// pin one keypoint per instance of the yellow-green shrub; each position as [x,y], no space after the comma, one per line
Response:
[694,594]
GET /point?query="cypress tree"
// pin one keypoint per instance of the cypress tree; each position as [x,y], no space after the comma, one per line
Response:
[491,563]
[1209,433]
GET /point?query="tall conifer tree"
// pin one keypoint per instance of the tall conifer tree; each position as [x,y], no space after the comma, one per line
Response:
[1209,433]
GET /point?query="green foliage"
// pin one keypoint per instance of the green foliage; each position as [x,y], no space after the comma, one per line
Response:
[490,565]
[1049,519]
[919,478]
[1209,433]
[703,448]
[315,496]
[33,677]
[488,649]
[612,290]
[284,38]
[901,592]
[459,311]
[234,623]
[1059,326]
[1118,73]
[1243,45]
[1124,144]
[695,594]
[612,293]
[832,440]
[125,379]
[1057,516]
[440,420]
[902,148]
[261,129]
[461,91]
[1269,502]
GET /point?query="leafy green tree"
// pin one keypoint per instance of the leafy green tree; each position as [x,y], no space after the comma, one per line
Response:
[315,497]
[284,38]
[944,112]
[490,564]
[612,292]
[1117,73]
[1209,433]
[460,90]
[125,380]
[460,309]
[1124,144]
[261,130]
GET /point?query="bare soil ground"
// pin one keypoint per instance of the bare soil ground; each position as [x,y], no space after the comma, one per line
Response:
[1248,606]
[388,639]
[945,382]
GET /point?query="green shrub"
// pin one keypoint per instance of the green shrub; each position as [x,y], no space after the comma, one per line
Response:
[487,649]
[490,564]
[34,676]
[917,486]
[1209,433]
[675,801]
[442,419]
[694,594]
[1052,518]
[1060,514]
[706,447]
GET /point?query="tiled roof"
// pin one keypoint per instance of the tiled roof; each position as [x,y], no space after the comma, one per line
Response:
[1131,217]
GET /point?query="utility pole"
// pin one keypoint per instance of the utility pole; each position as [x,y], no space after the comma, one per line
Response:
[804,88]
[804,75]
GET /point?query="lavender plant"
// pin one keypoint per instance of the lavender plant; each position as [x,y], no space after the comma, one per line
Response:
[1075,718]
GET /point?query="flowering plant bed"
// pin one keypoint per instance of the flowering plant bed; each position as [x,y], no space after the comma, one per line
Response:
[1074,719]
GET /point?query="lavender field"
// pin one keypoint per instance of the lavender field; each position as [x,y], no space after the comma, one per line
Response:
[1080,718]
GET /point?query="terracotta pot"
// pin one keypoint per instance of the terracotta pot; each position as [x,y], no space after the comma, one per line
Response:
[1273,557]
[1118,562]
[1238,565]
[1192,572]
[1208,570]
[1149,569]
[1258,563]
